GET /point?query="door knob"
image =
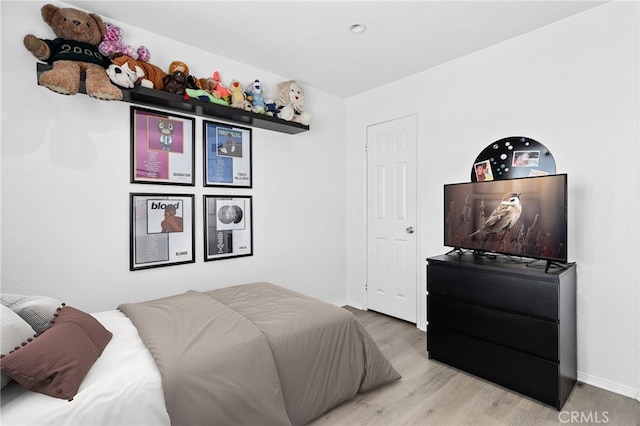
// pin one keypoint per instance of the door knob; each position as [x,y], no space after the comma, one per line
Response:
[410,230]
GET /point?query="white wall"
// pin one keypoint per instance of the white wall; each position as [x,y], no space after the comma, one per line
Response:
[65,187]
[572,86]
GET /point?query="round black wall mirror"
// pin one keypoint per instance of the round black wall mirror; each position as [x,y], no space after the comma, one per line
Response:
[513,157]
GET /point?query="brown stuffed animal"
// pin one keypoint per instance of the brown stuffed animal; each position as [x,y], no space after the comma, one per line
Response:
[209,85]
[178,66]
[74,51]
[176,82]
[178,79]
[128,72]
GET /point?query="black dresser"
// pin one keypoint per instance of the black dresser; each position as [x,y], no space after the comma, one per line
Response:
[504,321]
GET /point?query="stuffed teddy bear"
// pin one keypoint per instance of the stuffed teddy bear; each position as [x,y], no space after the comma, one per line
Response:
[209,85]
[112,43]
[290,103]
[128,72]
[74,51]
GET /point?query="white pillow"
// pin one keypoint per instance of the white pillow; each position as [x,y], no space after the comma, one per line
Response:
[37,311]
[14,331]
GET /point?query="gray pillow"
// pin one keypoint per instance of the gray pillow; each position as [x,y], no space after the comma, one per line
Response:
[14,332]
[37,311]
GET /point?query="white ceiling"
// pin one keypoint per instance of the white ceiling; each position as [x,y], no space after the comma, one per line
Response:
[309,41]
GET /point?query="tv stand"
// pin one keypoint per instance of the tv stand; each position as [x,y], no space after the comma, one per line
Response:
[456,250]
[549,264]
[485,254]
[552,263]
[505,322]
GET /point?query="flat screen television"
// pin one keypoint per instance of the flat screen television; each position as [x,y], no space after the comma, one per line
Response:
[523,217]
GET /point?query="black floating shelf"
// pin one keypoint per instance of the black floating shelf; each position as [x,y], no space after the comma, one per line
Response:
[160,99]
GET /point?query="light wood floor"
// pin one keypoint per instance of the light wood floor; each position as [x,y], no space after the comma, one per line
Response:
[432,393]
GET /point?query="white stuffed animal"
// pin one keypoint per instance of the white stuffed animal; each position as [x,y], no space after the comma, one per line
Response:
[290,103]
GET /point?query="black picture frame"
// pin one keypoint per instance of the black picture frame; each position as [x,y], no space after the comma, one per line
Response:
[162,147]
[228,226]
[155,240]
[227,155]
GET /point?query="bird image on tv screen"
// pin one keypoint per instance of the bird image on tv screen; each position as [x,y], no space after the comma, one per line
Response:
[502,219]
[524,217]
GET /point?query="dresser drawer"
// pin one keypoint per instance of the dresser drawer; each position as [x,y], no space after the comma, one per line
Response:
[528,375]
[531,335]
[508,291]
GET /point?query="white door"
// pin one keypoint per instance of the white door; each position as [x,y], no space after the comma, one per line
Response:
[392,257]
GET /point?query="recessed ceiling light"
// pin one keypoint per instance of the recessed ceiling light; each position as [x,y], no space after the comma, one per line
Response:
[358,28]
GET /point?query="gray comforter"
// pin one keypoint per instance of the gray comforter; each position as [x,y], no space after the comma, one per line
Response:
[256,354]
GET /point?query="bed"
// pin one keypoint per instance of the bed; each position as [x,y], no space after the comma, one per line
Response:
[243,355]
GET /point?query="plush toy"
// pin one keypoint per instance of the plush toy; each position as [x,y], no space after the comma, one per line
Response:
[178,66]
[221,88]
[238,97]
[74,51]
[204,95]
[176,82]
[112,44]
[290,103]
[209,85]
[254,95]
[128,72]
[181,66]
[178,78]
[206,91]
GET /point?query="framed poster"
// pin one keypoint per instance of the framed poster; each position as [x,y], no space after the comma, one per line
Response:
[161,230]
[228,230]
[162,148]
[227,155]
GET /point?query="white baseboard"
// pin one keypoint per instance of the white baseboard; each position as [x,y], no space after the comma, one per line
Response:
[610,386]
[355,305]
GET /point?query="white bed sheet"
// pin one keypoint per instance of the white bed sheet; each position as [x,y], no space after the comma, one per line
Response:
[122,388]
